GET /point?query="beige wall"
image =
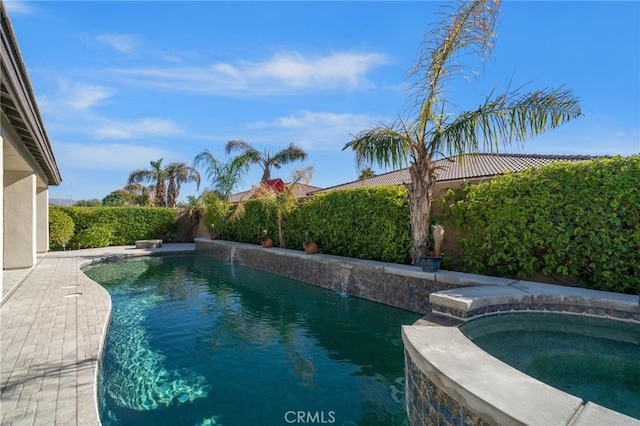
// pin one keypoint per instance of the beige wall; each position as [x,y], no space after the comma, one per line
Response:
[42,219]
[19,220]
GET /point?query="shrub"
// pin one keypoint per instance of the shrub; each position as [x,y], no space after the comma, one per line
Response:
[255,218]
[577,219]
[367,223]
[61,228]
[94,236]
[127,224]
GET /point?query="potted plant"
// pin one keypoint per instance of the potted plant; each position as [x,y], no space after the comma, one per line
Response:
[309,246]
[431,262]
[264,239]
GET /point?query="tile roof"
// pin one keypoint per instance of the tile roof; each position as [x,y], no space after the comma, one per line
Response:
[300,191]
[471,166]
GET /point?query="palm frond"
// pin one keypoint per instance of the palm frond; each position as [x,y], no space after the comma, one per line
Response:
[289,155]
[510,117]
[245,149]
[381,145]
[301,175]
[467,28]
[207,159]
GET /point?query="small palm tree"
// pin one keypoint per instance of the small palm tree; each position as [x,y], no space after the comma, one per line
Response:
[468,27]
[177,174]
[195,208]
[283,202]
[366,173]
[139,194]
[225,177]
[158,176]
[266,159]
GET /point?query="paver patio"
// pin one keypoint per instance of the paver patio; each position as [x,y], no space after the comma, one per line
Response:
[51,332]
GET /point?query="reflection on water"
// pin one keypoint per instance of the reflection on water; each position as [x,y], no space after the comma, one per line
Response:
[197,341]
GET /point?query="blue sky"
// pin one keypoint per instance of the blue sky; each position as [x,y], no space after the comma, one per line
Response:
[122,83]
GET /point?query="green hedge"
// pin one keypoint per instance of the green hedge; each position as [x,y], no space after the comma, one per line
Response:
[579,219]
[104,226]
[367,223]
[249,226]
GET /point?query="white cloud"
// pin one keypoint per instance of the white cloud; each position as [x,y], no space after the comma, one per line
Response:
[119,129]
[318,131]
[83,96]
[77,96]
[122,42]
[280,74]
[18,6]
[338,69]
[107,157]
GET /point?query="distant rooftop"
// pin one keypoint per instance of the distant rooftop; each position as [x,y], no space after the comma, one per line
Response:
[471,167]
[299,191]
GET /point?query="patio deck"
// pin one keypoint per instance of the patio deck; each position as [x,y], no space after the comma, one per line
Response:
[52,325]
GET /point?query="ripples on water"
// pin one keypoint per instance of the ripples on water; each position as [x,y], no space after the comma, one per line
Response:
[196,341]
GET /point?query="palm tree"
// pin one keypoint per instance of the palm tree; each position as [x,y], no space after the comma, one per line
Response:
[157,175]
[139,193]
[194,209]
[225,177]
[467,27]
[366,173]
[266,159]
[177,174]
[284,202]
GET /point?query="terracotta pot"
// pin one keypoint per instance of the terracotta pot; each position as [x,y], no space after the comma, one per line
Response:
[267,243]
[213,236]
[310,248]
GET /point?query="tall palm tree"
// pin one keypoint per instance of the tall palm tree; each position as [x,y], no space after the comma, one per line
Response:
[225,177]
[157,175]
[467,28]
[177,174]
[267,159]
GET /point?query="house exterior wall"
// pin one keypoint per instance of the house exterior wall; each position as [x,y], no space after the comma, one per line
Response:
[28,163]
[42,219]
[19,220]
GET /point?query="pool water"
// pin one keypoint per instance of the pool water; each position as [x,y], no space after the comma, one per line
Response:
[595,359]
[197,341]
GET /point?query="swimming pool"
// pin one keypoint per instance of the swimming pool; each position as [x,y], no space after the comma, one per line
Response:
[196,341]
[596,359]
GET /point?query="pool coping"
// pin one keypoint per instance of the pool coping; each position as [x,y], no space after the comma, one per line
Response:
[486,388]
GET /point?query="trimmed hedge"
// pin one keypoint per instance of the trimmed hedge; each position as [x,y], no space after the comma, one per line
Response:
[104,226]
[366,223]
[579,219]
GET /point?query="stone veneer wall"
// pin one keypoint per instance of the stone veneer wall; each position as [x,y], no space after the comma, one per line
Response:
[428,404]
[377,281]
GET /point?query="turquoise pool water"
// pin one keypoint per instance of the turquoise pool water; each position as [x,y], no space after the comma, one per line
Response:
[595,359]
[197,341]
